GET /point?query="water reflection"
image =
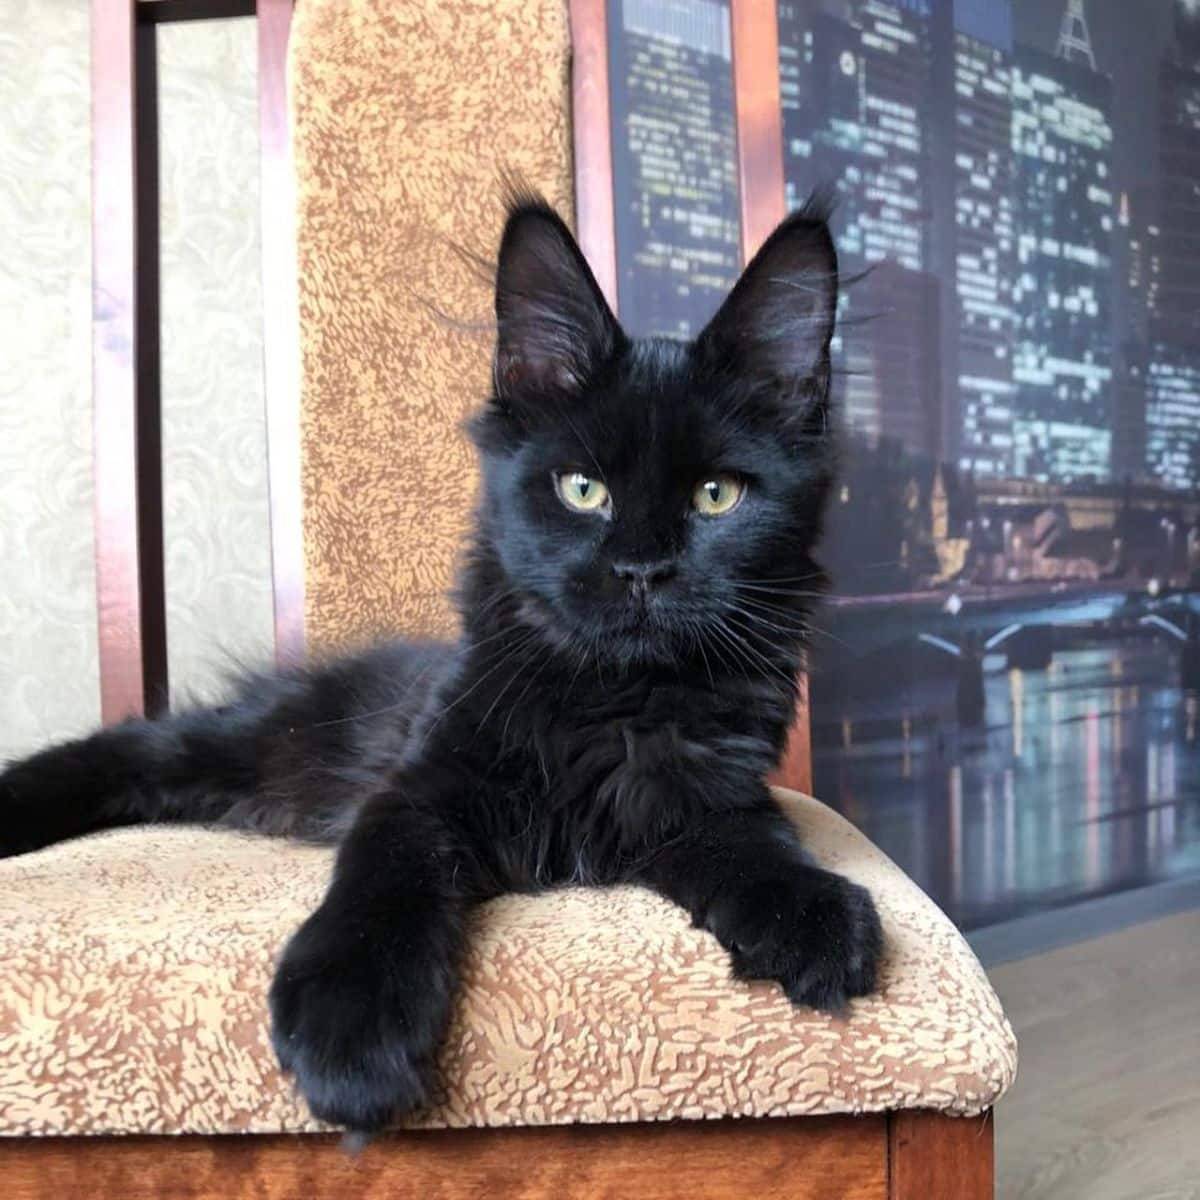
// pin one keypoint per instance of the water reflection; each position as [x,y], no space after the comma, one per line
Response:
[1085,779]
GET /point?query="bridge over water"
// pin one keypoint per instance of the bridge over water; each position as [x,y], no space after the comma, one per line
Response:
[866,625]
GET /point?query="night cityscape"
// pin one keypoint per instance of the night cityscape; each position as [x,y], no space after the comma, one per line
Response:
[1018,207]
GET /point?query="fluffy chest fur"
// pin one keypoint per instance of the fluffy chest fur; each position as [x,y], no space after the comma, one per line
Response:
[576,773]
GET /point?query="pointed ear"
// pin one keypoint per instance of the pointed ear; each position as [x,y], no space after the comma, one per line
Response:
[554,326]
[775,326]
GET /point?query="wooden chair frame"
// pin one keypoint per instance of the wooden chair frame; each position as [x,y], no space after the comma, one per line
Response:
[898,1156]
[901,1155]
[126,369]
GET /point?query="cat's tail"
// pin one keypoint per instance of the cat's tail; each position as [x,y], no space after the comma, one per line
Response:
[192,767]
[291,755]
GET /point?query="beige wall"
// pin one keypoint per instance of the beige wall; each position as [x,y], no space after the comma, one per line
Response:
[214,450]
[48,680]
[214,438]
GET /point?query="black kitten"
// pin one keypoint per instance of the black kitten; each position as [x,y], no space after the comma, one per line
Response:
[634,606]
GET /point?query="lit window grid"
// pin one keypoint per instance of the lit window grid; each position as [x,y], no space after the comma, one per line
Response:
[1173,416]
[1061,359]
[680,137]
[984,256]
[881,140]
[981,275]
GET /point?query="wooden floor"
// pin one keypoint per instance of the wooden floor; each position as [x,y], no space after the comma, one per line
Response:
[1107,1101]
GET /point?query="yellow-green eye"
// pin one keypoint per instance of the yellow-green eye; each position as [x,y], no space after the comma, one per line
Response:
[717,496]
[581,492]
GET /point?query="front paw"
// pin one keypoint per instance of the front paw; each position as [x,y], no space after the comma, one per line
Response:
[815,933]
[358,1029]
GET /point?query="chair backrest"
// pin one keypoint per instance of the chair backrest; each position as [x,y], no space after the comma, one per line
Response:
[126,368]
[377,335]
[403,116]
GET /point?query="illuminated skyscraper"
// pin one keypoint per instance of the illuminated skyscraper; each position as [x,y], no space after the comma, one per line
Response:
[975,238]
[1062,146]
[908,106]
[855,80]
[801,102]
[1140,268]
[1137,262]
[1173,388]
[876,69]
[674,165]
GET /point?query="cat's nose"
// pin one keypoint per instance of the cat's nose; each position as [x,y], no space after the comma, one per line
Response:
[641,577]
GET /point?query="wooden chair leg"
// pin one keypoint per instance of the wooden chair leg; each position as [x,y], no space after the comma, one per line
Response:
[935,1157]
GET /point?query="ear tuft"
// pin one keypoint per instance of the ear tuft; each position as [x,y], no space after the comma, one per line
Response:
[774,328]
[554,326]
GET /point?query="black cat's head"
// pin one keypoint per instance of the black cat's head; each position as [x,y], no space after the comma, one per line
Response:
[645,497]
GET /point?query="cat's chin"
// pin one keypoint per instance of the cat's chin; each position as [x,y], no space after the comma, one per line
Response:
[643,645]
[640,636]
[633,646]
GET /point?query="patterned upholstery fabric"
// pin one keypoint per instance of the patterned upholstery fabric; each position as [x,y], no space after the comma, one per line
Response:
[136,964]
[405,112]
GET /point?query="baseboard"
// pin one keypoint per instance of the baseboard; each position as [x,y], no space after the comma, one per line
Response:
[1040,932]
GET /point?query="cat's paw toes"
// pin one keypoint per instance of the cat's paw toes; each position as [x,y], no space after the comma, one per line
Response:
[843,948]
[816,934]
[360,1045]
[348,1077]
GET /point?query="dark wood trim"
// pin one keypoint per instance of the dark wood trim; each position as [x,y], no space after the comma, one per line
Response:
[795,768]
[932,1156]
[164,12]
[128,547]
[592,127]
[803,1158]
[281,331]
[114,386]
[759,120]
[148,356]
[758,117]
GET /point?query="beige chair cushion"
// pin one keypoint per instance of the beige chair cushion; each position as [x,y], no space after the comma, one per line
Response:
[135,965]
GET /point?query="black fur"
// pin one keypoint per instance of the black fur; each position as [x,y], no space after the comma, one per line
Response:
[624,683]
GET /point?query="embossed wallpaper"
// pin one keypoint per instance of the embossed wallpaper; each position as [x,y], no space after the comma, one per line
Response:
[48,676]
[217,545]
[218,562]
